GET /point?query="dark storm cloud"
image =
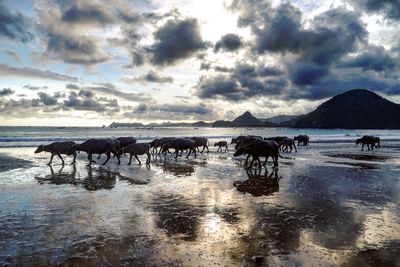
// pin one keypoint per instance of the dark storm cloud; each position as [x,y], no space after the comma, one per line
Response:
[6,70]
[75,49]
[390,9]
[85,100]
[176,40]
[47,99]
[87,12]
[152,77]
[375,58]
[6,92]
[305,73]
[14,26]
[243,82]
[219,87]
[331,35]
[228,42]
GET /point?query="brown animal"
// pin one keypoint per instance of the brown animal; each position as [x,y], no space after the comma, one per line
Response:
[220,145]
[137,149]
[370,141]
[58,148]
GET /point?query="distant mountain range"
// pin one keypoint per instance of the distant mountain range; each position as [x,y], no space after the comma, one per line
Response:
[354,109]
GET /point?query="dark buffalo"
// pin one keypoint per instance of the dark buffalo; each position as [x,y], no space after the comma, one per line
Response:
[287,145]
[370,141]
[99,146]
[201,142]
[257,149]
[220,145]
[246,140]
[302,140]
[58,148]
[137,149]
[238,139]
[181,144]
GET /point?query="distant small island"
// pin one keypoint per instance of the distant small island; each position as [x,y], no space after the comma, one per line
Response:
[354,109]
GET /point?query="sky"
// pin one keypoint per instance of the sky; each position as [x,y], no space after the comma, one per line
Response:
[89,63]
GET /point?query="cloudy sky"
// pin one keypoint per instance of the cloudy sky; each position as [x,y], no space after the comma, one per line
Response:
[88,62]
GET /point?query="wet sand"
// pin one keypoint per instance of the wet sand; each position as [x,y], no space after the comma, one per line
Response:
[332,204]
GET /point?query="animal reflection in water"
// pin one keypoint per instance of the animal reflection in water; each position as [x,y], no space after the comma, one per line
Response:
[259,184]
[97,178]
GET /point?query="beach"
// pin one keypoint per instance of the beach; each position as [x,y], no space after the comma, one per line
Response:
[329,204]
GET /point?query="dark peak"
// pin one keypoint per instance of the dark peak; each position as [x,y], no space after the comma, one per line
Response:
[358,92]
[247,114]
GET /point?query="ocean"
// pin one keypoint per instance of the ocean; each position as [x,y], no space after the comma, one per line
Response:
[34,136]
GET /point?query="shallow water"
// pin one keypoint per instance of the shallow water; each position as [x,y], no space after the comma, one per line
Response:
[320,207]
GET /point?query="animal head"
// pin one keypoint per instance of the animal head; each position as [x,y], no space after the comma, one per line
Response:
[39,149]
[296,138]
[234,140]
[358,141]
[215,144]
[241,150]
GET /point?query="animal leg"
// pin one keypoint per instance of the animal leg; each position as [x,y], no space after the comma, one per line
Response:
[130,159]
[195,155]
[108,158]
[116,154]
[90,159]
[207,149]
[247,160]
[148,158]
[51,159]
[226,148]
[265,162]
[138,159]
[259,162]
[98,157]
[62,160]
[73,161]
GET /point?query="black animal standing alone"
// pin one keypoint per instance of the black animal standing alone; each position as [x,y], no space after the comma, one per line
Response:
[370,141]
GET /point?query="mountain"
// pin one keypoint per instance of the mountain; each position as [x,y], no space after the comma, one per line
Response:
[280,118]
[244,120]
[354,109]
[201,124]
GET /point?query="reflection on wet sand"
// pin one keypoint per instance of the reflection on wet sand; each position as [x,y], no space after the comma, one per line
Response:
[304,213]
[259,182]
[93,178]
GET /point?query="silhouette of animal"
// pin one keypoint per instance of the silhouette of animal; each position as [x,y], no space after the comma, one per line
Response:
[220,145]
[302,140]
[370,141]
[58,148]
[99,146]
[137,149]
[257,149]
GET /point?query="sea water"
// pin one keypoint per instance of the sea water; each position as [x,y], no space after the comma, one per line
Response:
[34,136]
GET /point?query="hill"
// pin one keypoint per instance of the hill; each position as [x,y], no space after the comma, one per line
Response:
[244,120]
[354,109]
[280,118]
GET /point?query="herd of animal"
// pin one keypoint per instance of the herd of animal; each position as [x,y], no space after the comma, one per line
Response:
[252,146]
